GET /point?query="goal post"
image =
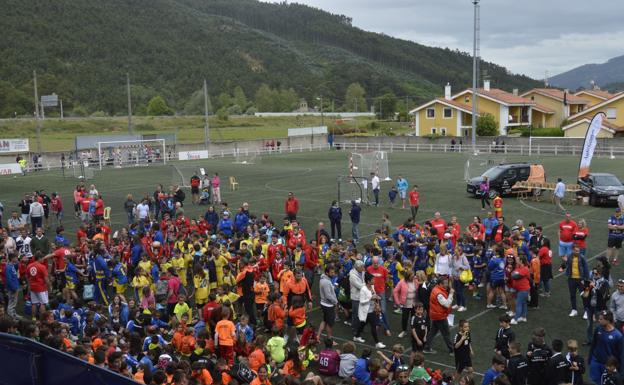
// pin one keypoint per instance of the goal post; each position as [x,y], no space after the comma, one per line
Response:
[362,164]
[476,165]
[131,153]
[352,188]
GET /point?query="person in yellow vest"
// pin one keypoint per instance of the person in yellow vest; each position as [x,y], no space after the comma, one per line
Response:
[498,206]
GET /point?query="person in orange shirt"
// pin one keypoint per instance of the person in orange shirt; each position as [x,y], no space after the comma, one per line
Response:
[297,314]
[261,289]
[498,206]
[292,366]
[284,276]
[298,287]
[535,268]
[201,374]
[188,343]
[256,357]
[276,313]
[176,340]
[225,333]
[262,378]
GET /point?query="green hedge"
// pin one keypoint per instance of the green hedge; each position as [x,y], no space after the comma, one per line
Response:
[548,131]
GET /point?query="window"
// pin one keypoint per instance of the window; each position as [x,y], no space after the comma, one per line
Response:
[611,113]
[434,130]
[430,113]
[532,97]
[448,112]
[467,99]
[524,172]
[443,131]
[510,174]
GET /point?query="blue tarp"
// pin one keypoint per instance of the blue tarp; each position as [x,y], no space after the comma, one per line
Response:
[27,362]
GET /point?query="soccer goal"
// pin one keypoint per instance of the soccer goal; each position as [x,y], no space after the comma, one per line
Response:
[131,153]
[181,174]
[352,188]
[362,164]
[476,165]
[247,157]
[81,169]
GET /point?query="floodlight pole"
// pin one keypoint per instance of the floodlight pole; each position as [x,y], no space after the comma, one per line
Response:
[129,104]
[206,123]
[37,118]
[474,75]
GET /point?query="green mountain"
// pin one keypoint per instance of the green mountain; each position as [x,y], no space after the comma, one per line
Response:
[83,49]
[602,75]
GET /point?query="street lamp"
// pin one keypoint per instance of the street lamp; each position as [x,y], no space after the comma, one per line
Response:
[322,117]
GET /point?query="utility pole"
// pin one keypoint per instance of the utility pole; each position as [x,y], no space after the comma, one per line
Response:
[475,49]
[129,104]
[355,117]
[206,123]
[37,112]
[322,118]
[61,101]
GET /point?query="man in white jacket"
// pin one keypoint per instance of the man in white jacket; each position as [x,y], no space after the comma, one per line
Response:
[356,281]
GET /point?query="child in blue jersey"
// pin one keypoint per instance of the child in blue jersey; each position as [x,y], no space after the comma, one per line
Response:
[243,328]
[498,365]
[496,268]
[607,342]
[392,194]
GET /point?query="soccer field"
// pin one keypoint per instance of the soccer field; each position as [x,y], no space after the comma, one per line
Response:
[312,177]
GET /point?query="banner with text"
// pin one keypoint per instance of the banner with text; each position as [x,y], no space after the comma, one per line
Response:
[303,131]
[591,139]
[13,145]
[193,155]
[10,168]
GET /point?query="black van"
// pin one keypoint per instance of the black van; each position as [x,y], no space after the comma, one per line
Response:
[501,178]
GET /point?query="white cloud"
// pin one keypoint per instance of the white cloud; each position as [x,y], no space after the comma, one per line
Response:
[527,37]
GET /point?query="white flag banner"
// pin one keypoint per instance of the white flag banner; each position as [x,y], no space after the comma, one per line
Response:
[13,145]
[591,139]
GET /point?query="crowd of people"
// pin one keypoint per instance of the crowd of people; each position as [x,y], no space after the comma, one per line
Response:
[226,297]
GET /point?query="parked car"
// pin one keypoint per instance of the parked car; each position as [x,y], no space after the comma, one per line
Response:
[501,178]
[601,188]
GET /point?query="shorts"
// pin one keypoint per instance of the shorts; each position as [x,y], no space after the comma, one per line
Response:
[509,289]
[194,190]
[120,288]
[70,285]
[39,298]
[546,272]
[614,242]
[402,194]
[329,315]
[497,284]
[416,347]
[565,248]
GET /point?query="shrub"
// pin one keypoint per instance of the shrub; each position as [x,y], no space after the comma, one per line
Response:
[487,126]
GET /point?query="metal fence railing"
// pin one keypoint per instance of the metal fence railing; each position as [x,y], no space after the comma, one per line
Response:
[536,149]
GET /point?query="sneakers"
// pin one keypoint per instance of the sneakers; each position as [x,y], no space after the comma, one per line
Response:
[504,307]
[402,334]
[491,306]
[359,339]
[461,308]
[513,321]
[429,351]
[481,285]
[522,319]
[347,323]
[397,311]
[544,295]
[380,345]
[573,313]
[585,315]
[510,313]
[454,307]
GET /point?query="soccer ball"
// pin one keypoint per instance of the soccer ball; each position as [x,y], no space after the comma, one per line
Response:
[515,275]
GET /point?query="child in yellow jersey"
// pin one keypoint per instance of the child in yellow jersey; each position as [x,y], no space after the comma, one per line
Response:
[200,283]
[228,277]
[179,264]
[165,265]
[145,264]
[220,262]
[140,280]
[227,298]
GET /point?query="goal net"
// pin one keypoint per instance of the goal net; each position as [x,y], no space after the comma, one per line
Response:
[81,169]
[352,188]
[362,164]
[476,165]
[247,157]
[181,175]
[131,153]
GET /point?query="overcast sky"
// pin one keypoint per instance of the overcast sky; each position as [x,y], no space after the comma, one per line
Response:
[529,37]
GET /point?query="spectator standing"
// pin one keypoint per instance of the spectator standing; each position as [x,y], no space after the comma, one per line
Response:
[216,189]
[291,206]
[335,217]
[356,281]
[375,185]
[130,208]
[616,305]
[328,303]
[12,285]
[354,214]
[14,224]
[380,276]
[38,284]
[36,215]
[578,273]
[484,193]
[606,342]
[402,187]
[559,194]
[616,235]
[567,229]
[414,201]
[440,303]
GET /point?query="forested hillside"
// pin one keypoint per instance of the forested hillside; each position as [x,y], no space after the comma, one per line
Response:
[254,55]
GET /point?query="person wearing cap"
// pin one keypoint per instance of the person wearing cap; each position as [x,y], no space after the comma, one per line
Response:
[616,235]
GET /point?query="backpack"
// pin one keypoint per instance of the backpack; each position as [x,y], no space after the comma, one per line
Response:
[161,288]
[242,374]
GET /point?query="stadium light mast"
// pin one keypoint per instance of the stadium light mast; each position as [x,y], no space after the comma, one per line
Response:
[129,103]
[206,123]
[475,60]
